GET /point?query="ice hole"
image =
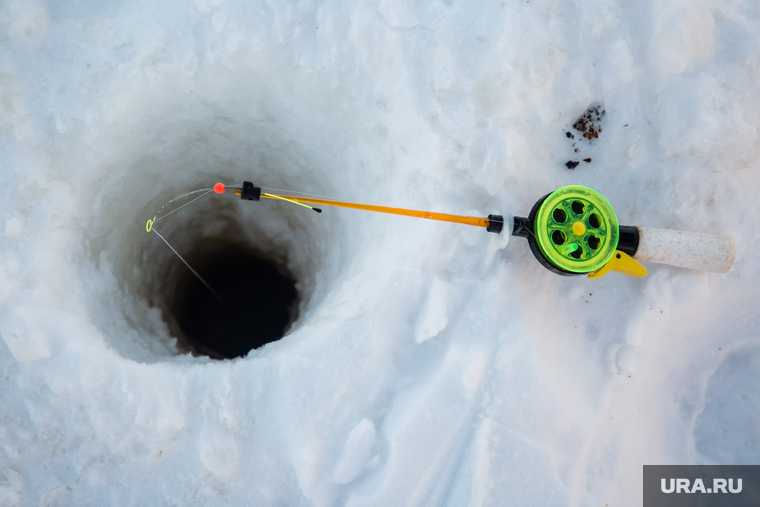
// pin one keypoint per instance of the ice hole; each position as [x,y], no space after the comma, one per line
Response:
[257,303]
[269,260]
[263,259]
[299,139]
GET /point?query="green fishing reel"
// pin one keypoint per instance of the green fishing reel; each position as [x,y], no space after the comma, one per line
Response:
[574,231]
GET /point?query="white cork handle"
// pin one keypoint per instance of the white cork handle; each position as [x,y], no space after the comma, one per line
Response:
[692,250]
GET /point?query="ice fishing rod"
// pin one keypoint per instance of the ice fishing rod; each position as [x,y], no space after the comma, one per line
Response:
[572,231]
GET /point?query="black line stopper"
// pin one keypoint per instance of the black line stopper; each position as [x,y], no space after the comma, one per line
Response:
[250,192]
[495,223]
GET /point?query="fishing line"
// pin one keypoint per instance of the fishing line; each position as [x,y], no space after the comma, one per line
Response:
[306,194]
[219,188]
[149,227]
[190,268]
[186,204]
[291,200]
[180,197]
[248,191]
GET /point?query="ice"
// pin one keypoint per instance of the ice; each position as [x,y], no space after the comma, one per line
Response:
[23,20]
[12,492]
[683,35]
[357,452]
[728,410]
[13,226]
[431,363]
[432,319]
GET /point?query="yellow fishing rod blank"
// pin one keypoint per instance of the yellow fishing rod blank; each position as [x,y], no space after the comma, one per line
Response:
[494,223]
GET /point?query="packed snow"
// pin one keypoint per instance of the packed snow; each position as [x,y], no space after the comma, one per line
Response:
[430,363]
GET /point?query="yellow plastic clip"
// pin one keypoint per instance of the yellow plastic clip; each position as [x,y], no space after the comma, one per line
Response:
[622,263]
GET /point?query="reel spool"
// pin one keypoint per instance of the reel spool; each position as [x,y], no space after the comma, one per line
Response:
[575,231]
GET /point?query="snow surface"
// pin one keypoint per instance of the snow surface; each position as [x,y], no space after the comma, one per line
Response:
[429,365]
